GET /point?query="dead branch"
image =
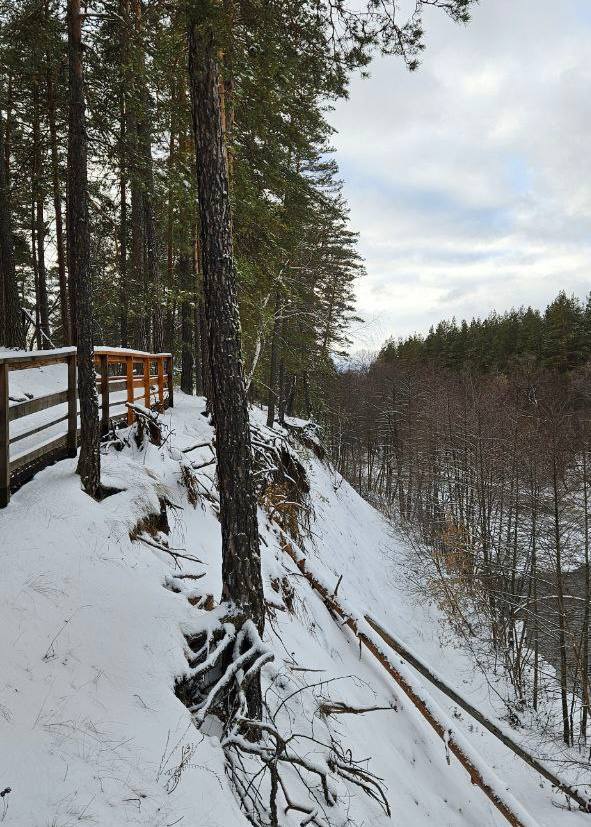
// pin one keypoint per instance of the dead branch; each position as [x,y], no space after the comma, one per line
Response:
[174,553]
[340,708]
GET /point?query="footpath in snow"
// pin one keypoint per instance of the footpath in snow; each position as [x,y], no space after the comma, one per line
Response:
[93,636]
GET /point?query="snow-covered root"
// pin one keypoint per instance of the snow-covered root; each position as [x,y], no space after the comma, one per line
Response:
[308,786]
[272,773]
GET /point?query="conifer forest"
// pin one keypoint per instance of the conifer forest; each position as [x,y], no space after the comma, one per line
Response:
[254,570]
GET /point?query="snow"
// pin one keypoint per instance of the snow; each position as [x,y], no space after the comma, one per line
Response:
[8,354]
[92,639]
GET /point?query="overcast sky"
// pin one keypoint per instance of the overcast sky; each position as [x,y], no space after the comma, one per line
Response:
[469,180]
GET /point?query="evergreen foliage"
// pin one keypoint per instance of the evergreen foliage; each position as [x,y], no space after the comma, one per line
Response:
[284,63]
[559,338]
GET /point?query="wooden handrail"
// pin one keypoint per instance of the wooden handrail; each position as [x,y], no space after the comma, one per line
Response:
[28,462]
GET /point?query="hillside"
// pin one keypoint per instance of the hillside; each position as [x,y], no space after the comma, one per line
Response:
[95,630]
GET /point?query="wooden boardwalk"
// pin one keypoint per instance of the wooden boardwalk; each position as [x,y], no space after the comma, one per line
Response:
[120,374]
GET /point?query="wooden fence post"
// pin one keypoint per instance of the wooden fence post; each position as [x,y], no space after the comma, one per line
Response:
[170,383]
[160,364]
[130,389]
[104,368]
[72,440]
[147,365]
[4,438]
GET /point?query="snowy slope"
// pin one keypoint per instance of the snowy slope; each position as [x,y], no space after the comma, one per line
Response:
[92,639]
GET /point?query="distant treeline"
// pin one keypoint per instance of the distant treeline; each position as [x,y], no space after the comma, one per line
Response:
[477,440]
[559,338]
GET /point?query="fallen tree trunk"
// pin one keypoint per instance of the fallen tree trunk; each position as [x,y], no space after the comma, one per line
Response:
[480,774]
[583,802]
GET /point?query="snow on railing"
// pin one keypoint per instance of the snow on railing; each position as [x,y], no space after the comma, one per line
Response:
[117,382]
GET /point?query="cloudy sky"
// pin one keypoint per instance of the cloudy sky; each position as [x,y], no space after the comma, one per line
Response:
[469,180]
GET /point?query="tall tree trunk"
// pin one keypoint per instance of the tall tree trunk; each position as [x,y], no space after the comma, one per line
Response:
[241,564]
[135,117]
[39,220]
[560,599]
[123,284]
[12,333]
[185,271]
[281,393]
[38,337]
[198,345]
[123,165]
[205,365]
[51,73]
[78,256]
[272,391]
[57,208]
[587,607]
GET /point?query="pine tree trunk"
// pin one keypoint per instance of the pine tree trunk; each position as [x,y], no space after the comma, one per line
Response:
[241,564]
[57,208]
[78,256]
[185,270]
[281,393]
[140,337]
[123,152]
[566,734]
[205,366]
[197,348]
[198,345]
[587,606]
[39,222]
[12,333]
[272,392]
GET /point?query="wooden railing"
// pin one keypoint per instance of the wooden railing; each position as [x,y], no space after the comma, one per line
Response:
[120,373]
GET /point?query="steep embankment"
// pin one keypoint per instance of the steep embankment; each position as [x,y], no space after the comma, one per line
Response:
[93,638]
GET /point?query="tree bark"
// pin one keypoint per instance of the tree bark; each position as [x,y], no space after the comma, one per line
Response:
[123,164]
[78,256]
[272,392]
[241,564]
[587,606]
[57,208]
[185,270]
[39,220]
[12,333]
[566,733]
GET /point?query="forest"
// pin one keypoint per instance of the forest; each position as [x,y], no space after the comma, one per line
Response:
[201,598]
[477,437]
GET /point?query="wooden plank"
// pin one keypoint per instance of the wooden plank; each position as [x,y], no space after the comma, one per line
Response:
[129,377]
[147,383]
[72,441]
[39,428]
[4,438]
[48,447]
[33,359]
[124,353]
[170,382]
[41,403]
[160,364]
[104,368]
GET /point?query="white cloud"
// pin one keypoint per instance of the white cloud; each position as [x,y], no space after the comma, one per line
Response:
[470,180]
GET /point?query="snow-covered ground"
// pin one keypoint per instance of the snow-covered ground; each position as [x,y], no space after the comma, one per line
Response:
[92,632]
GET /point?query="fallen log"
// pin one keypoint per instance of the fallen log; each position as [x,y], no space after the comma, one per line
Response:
[480,774]
[583,802]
